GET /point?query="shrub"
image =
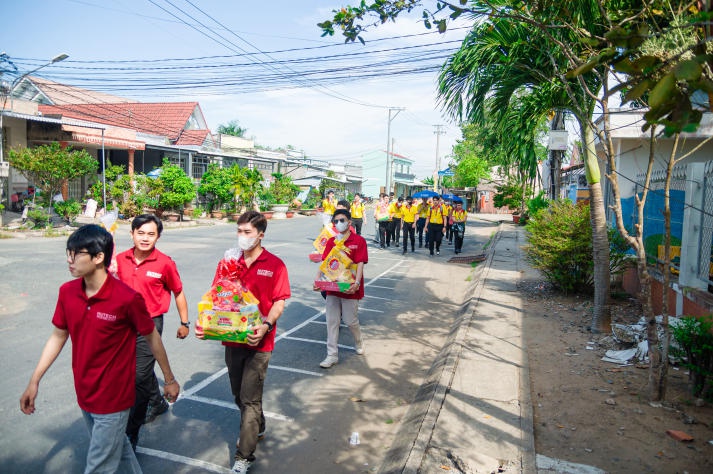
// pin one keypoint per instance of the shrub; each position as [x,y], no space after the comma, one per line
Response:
[560,245]
[39,217]
[68,209]
[694,344]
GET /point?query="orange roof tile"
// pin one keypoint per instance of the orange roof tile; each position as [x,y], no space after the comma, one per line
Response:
[61,94]
[166,119]
[195,137]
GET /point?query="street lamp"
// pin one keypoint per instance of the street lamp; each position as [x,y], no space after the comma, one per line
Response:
[9,91]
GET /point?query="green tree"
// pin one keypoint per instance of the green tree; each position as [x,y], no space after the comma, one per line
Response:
[48,166]
[177,187]
[282,189]
[216,186]
[471,162]
[246,186]
[232,128]
[111,174]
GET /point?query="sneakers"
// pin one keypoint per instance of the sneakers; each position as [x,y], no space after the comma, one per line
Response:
[241,465]
[153,412]
[359,347]
[438,252]
[328,362]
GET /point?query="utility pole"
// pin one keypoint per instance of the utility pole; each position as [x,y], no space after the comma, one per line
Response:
[438,132]
[389,158]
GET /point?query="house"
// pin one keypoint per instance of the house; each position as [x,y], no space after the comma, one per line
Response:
[691,203]
[403,180]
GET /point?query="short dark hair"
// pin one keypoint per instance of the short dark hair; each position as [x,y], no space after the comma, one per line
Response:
[342,211]
[343,202]
[138,221]
[94,239]
[255,218]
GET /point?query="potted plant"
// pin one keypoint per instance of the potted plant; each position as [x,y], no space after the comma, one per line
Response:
[246,186]
[216,187]
[177,189]
[283,192]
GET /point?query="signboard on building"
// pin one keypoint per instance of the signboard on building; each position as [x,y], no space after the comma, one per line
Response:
[446,172]
[558,140]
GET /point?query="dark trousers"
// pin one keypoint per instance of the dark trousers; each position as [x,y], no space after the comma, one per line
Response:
[246,370]
[409,234]
[146,382]
[449,232]
[384,234]
[396,230]
[458,234]
[420,225]
[435,235]
[357,222]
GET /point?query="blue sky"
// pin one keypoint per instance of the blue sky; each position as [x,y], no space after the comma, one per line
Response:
[336,116]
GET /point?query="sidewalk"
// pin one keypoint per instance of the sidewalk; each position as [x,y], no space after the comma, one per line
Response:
[473,412]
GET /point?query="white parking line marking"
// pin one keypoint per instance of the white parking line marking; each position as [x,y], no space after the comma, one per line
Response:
[368,311]
[233,406]
[383,287]
[298,371]
[206,466]
[377,297]
[342,325]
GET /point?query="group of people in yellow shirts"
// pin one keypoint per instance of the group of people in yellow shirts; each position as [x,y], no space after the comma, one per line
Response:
[438,218]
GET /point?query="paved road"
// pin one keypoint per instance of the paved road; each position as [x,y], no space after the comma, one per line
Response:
[409,306]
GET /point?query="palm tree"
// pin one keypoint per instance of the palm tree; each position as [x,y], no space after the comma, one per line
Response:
[509,72]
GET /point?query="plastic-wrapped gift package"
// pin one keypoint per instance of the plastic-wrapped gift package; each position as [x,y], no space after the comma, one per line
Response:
[338,271]
[227,312]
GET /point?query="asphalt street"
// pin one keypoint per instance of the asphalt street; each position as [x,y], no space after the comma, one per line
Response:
[411,302]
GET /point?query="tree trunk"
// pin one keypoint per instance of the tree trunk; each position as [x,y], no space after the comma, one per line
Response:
[601,318]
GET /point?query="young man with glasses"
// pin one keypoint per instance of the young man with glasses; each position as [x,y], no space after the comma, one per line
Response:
[343,306]
[102,316]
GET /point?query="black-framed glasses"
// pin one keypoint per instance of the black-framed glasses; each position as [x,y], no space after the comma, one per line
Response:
[71,254]
[339,220]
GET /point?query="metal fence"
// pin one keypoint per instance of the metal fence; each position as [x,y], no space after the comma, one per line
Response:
[706,234]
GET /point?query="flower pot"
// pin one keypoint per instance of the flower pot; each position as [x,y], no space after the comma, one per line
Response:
[280,211]
[171,216]
[233,216]
[267,214]
[217,214]
[516,218]
[290,214]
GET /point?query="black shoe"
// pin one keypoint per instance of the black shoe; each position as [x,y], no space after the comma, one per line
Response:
[413,249]
[154,412]
[383,247]
[133,440]
[420,245]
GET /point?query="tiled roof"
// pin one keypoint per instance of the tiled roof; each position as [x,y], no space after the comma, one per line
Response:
[61,94]
[166,119]
[195,137]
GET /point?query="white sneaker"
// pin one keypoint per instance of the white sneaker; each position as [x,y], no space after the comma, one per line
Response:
[360,347]
[241,466]
[328,362]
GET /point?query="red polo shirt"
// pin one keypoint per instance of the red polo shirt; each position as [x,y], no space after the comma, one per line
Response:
[358,253]
[103,331]
[155,278]
[266,279]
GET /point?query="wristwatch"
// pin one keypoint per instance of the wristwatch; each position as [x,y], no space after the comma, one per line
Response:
[269,326]
[186,324]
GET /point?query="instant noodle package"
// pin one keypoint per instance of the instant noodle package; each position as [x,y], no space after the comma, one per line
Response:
[320,243]
[227,311]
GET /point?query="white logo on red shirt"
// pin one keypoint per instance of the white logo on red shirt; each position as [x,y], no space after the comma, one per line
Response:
[153,274]
[263,272]
[106,316]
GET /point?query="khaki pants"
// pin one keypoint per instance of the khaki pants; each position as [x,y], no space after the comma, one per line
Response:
[247,369]
[339,309]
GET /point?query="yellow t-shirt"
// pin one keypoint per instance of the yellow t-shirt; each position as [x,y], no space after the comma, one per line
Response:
[410,213]
[328,206]
[436,215]
[397,210]
[459,216]
[423,210]
[447,210]
[357,210]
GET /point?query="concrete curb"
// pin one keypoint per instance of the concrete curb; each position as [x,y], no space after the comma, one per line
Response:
[411,443]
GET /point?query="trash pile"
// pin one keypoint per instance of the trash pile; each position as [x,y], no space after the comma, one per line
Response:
[634,336]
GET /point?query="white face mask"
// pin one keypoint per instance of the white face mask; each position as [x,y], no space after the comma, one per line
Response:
[341,226]
[247,243]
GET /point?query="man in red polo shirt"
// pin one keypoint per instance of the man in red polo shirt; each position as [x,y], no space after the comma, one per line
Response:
[344,305]
[153,274]
[102,316]
[265,275]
